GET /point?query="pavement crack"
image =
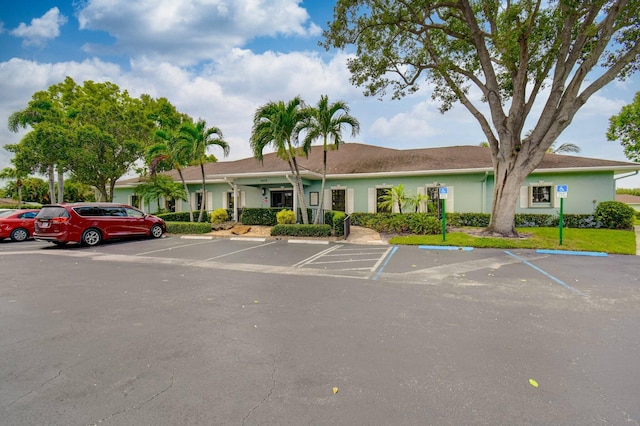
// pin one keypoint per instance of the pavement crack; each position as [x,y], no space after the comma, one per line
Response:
[269,393]
[139,406]
[46,382]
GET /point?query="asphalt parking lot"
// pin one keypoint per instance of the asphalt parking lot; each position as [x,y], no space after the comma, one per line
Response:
[219,331]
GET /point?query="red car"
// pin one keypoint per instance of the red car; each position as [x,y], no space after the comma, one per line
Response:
[17,224]
[91,223]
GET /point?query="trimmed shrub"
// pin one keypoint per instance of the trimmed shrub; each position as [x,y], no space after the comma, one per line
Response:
[615,215]
[182,216]
[476,220]
[424,224]
[335,219]
[338,223]
[285,217]
[188,227]
[260,216]
[219,216]
[301,230]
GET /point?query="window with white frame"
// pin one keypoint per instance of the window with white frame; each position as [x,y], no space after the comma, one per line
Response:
[540,195]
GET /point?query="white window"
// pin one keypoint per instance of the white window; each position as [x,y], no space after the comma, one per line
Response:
[539,195]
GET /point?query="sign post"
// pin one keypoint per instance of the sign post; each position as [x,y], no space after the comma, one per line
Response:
[561,192]
[443,192]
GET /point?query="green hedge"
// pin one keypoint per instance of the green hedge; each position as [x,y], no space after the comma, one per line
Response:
[335,219]
[417,223]
[260,216]
[188,227]
[183,216]
[301,230]
[266,216]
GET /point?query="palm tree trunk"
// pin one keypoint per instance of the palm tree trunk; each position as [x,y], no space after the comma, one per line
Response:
[324,180]
[186,191]
[303,204]
[204,193]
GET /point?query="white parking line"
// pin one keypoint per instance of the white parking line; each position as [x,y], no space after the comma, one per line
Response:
[175,247]
[315,256]
[240,251]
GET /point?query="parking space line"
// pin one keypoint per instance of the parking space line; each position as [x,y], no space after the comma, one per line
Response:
[390,252]
[175,247]
[562,283]
[316,256]
[345,261]
[240,251]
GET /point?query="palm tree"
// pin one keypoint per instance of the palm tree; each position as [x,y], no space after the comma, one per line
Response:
[176,151]
[415,201]
[326,121]
[200,137]
[564,148]
[278,124]
[394,196]
[13,173]
[160,186]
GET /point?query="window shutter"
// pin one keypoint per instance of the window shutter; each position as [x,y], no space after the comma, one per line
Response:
[350,200]
[209,205]
[524,197]
[327,199]
[422,191]
[225,201]
[450,200]
[242,199]
[371,200]
[194,200]
[555,201]
[178,205]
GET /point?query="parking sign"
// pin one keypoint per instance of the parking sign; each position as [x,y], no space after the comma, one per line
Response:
[561,191]
[443,191]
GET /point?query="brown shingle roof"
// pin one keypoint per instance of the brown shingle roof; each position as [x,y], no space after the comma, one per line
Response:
[355,158]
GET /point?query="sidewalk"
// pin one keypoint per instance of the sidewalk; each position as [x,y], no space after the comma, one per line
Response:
[362,235]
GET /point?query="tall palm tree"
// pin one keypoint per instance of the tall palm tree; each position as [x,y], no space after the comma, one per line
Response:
[327,121]
[176,151]
[564,148]
[202,137]
[278,124]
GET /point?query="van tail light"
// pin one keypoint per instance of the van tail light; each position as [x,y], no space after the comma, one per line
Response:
[60,219]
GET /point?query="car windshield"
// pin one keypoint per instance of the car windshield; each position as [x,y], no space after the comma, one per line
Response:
[51,212]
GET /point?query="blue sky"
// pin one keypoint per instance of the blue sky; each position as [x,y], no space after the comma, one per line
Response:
[222,59]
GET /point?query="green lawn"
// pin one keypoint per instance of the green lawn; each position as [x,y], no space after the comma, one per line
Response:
[600,240]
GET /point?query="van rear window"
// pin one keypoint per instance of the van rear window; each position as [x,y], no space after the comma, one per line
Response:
[51,212]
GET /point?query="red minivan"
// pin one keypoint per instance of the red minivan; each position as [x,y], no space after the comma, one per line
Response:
[91,223]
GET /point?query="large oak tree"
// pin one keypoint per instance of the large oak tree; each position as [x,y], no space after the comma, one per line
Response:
[555,54]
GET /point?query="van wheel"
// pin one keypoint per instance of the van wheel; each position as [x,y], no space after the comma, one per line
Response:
[19,234]
[91,237]
[156,231]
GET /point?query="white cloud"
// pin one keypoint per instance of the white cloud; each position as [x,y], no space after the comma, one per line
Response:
[41,29]
[187,32]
